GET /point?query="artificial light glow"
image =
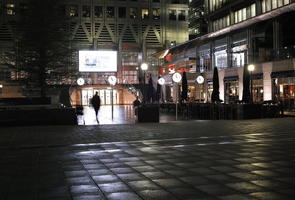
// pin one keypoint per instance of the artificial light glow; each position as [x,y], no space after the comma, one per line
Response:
[144,66]
[80,81]
[200,79]
[176,77]
[251,68]
[1,86]
[165,53]
[161,81]
[112,80]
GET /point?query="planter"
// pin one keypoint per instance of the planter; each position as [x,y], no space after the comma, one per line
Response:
[148,113]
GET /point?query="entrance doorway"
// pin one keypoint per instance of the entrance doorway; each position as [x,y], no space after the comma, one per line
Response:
[104,94]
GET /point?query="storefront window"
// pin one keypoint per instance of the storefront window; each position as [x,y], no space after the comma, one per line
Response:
[156,13]
[110,12]
[133,13]
[172,14]
[144,13]
[10,9]
[73,11]
[98,11]
[86,11]
[284,91]
[221,59]
[231,94]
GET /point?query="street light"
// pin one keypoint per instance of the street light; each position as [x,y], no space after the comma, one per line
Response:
[251,68]
[144,67]
[200,80]
[176,77]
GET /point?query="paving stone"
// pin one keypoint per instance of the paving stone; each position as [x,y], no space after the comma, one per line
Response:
[143,185]
[123,196]
[113,187]
[156,194]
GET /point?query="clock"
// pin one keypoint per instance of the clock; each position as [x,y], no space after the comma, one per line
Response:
[200,79]
[112,80]
[80,81]
[161,81]
[176,77]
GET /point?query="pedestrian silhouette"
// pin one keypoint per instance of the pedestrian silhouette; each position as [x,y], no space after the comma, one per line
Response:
[136,104]
[95,101]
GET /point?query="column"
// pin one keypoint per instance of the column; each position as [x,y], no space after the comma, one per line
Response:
[228,49]
[276,37]
[249,57]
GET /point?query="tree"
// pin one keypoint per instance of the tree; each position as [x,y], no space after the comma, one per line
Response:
[246,85]
[215,93]
[42,41]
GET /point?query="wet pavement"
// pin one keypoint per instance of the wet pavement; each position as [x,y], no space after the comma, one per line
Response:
[228,160]
[122,114]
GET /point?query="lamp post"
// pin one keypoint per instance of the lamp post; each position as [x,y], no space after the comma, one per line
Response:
[112,81]
[200,80]
[251,68]
[176,78]
[144,67]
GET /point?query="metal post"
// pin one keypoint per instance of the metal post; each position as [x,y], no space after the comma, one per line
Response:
[251,92]
[112,99]
[144,95]
[176,104]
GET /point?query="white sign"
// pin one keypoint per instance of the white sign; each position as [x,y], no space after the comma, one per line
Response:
[161,81]
[80,81]
[200,79]
[97,61]
[112,80]
[176,77]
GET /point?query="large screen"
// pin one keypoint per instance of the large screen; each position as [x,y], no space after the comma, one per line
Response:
[97,61]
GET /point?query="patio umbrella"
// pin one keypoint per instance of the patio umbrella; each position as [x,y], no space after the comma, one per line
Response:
[184,87]
[215,93]
[150,91]
[246,85]
[158,93]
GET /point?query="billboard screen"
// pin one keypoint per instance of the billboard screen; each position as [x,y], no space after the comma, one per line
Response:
[98,61]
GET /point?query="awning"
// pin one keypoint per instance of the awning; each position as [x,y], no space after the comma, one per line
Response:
[283,74]
[231,78]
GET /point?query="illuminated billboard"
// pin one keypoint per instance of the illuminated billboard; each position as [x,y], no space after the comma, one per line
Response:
[98,61]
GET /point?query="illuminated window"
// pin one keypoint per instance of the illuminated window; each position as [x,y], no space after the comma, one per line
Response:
[133,13]
[86,11]
[144,13]
[156,13]
[73,11]
[110,12]
[181,15]
[268,5]
[98,11]
[172,14]
[122,12]
[10,9]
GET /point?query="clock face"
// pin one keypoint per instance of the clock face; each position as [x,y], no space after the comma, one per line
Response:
[161,81]
[112,80]
[200,79]
[80,81]
[176,77]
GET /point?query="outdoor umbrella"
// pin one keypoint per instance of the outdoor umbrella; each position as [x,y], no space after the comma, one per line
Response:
[158,93]
[150,91]
[246,85]
[215,93]
[184,87]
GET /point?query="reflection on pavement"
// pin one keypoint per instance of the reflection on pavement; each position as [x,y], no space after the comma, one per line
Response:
[123,114]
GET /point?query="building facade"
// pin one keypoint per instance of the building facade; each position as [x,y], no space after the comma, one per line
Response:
[134,28]
[241,33]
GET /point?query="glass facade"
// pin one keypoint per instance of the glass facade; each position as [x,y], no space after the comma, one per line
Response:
[268,5]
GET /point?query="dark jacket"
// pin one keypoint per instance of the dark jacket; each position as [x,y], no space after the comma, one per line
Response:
[95,101]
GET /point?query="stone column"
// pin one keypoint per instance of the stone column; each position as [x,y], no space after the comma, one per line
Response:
[267,84]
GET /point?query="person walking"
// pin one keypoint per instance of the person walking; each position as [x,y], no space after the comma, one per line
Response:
[95,101]
[136,104]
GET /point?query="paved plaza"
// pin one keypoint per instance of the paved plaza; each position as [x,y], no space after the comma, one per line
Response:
[227,160]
